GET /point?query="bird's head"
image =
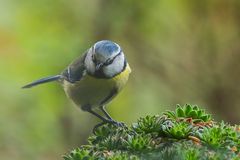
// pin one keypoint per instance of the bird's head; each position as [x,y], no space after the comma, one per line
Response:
[105,59]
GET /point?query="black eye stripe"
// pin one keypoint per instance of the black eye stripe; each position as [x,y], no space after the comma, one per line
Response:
[110,61]
[94,59]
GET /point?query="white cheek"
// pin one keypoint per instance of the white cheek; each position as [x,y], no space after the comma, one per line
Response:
[114,68]
[90,66]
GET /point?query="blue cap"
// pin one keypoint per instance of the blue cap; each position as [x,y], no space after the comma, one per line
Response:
[106,48]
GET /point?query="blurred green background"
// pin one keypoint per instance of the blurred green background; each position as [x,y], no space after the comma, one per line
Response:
[179,51]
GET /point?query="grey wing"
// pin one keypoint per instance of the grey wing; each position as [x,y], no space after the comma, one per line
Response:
[76,70]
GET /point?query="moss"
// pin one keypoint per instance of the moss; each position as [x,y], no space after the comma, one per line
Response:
[188,133]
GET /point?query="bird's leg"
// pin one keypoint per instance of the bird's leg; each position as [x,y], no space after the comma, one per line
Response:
[104,120]
[98,115]
[110,118]
[105,112]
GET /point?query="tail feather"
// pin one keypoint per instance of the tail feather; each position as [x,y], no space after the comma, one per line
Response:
[43,80]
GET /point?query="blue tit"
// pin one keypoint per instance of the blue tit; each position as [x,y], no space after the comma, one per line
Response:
[94,79]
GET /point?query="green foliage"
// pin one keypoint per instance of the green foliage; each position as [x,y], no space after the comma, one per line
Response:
[84,154]
[79,154]
[178,130]
[168,136]
[149,124]
[189,111]
[139,142]
[220,136]
[109,137]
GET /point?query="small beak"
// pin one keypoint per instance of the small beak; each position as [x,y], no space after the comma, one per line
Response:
[99,66]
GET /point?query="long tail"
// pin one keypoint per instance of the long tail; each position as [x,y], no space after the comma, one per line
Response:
[43,80]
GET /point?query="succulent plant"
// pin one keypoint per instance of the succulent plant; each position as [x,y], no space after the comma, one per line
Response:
[79,154]
[139,142]
[149,124]
[178,130]
[189,111]
[220,135]
[169,136]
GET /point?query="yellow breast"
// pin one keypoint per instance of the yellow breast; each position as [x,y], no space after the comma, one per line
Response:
[91,91]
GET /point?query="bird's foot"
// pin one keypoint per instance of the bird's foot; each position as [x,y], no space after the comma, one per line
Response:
[117,124]
[110,121]
[97,126]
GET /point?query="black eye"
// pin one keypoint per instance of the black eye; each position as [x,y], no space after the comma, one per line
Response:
[94,59]
[108,61]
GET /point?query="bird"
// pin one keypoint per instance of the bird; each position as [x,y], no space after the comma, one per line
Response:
[94,79]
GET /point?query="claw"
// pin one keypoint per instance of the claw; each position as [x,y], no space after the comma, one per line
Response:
[97,126]
[117,124]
